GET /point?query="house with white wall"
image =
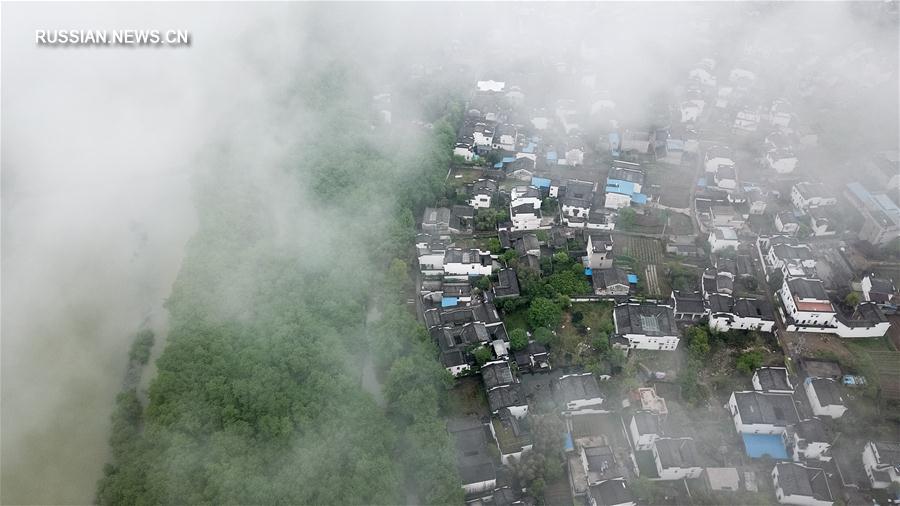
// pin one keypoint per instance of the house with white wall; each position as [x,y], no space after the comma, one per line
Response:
[806,195]
[525,217]
[761,412]
[772,379]
[473,458]
[744,314]
[806,303]
[599,250]
[721,238]
[611,492]
[809,440]
[644,428]
[465,263]
[801,485]
[525,195]
[578,391]
[825,397]
[882,463]
[676,458]
[623,185]
[646,326]
[483,192]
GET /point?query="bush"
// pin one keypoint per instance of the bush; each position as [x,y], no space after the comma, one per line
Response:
[482,355]
[518,339]
[544,312]
[749,361]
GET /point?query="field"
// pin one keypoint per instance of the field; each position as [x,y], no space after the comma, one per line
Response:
[644,256]
[574,338]
[680,224]
[467,398]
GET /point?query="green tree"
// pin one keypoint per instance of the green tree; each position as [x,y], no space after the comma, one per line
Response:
[626,219]
[852,299]
[141,347]
[518,339]
[545,336]
[749,361]
[483,283]
[482,355]
[493,245]
[544,312]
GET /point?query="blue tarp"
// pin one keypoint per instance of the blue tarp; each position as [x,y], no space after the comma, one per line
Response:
[675,144]
[639,198]
[529,148]
[758,445]
[568,445]
[632,278]
[614,143]
[551,156]
[619,186]
[540,182]
[498,165]
[508,159]
[449,301]
[588,272]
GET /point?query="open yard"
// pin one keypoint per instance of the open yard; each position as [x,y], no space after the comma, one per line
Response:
[644,257]
[680,224]
[467,398]
[577,332]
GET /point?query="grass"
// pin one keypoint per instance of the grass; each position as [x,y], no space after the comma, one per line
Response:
[594,316]
[467,398]
[517,319]
[869,344]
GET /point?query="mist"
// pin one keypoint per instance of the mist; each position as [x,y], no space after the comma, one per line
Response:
[211,178]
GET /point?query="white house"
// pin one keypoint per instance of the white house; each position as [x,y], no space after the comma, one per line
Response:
[786,223]
[623,185]
[722,238]
[726,177]
[490,86]
[747,119]
[781,160]
[744,314]
[787,255]
[676,458]
[472,262]
[878,290]
[508,397]
[772,379]
[809,440]
[801,485]
[716,156]
[612,492]
[882,463]
[525,217]
[806,303]
[575,206]
[612,282]
[525,195]
[825,397]
[464,150]
[483,191]
[504,138]
[645,429]
[578,391]
[599,250]
[761,412]
[646,326]
[806,195]
[780,113]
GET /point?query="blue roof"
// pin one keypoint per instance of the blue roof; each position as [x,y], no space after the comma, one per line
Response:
[449,301]
[675,144]
[508,159]
[619,186]
[588,271]
[758,445]
[638,198]
[632,278]
[701,182]
[540,182]
[529,148]
[551,155]
[498,165]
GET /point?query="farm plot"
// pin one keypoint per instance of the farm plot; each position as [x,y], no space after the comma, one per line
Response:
[644,256]
[888,372]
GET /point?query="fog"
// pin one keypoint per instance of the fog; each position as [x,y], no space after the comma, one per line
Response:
[106,152]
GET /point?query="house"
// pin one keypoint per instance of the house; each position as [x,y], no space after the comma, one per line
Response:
[683,246]
[758,201]
[612,282]
[772,379]
[726,177]
[490,86]
[436,220]
[455,361]
[504,138]
[806,195]
[578,391]
[881,215]
[716,156]
[512,436]
[599,250]
[644,429]
[525,195]
[525,217]
[576,203]
[882,463]
[781,160]
[810,441]
[611,492]
[747,119]
[744,314]
[598,219]
[786,254]
[533,358]
[473,458]
[806,303]
[688,306]
[646,326]
[470,262]
[496,374]
[725,215]
[722,238]
[636,141]
[883,168]
[507,285]
[650,401]
[676,458]
[821,222]
[430,254]
[866,320]
[801,485]
[780,113]
[786,223]
[461,219]
[825,397]
[623,185]
[508,397]
[483,191]
[879,290]
[762,413]
[527,244]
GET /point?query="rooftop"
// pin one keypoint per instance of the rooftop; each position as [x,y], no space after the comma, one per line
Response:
[677,452]
[472,455]
[795,479]
[773,378]
[611,492]
[506,396]
[766,408]
[827,390]
[645,319]
[495,374]
[574,387]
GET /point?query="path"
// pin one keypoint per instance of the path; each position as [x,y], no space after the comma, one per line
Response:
[369,378]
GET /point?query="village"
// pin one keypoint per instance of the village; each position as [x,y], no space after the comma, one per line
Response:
[681,311]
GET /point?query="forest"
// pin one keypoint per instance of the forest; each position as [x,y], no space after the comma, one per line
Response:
[258,397]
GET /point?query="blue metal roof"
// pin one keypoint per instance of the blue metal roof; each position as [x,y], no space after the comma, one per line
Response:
[632,278]
[619,186]
[568,444]
[638,198]
[758,445]
[508,159]
[551,155]
[675,144]
[701,182]
[529,148]
[498,165]
[449,301]
[540,182]
[588,271]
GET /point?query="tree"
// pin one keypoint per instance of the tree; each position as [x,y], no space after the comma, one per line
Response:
[518,339]
[482,355]
[545,336]
[493,245]
[698,339]
[749,361]
[544,312]
[852,299]
[561,257]
[626,219]
[483,283]
[141,347]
